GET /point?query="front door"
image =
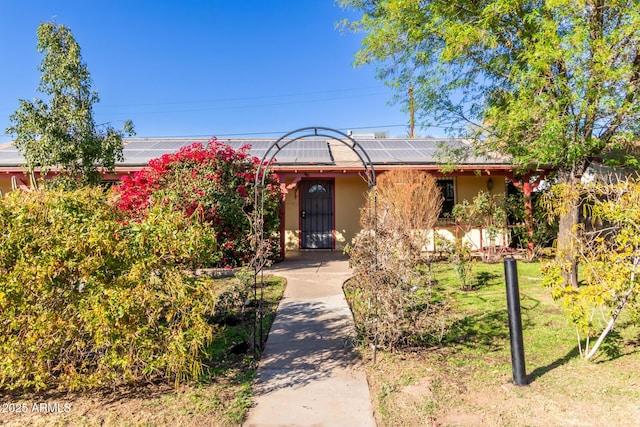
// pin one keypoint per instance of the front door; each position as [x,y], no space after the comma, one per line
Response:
[316,214]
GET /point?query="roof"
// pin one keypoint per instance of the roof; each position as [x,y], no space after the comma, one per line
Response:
[9,155]
[138,152]
[302,152]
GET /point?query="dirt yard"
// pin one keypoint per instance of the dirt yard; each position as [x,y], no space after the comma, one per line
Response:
[468,381]
[216,404]
[426,389]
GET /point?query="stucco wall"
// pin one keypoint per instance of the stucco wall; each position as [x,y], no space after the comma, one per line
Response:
[291,218]
[350,196]
[467,187]
[5,184]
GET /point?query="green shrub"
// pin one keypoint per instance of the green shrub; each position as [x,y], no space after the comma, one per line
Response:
[458,253]
[87,300]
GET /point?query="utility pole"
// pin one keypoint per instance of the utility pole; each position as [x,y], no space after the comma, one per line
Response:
[412,108]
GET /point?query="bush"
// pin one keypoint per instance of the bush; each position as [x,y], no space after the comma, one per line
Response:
[213,182]
[87,301]
[609,256]
[458,254]
[392,298]
[487,211]
[544,230]
[394,305]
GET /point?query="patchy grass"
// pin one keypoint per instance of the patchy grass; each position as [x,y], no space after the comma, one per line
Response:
[221,397]
[468,381]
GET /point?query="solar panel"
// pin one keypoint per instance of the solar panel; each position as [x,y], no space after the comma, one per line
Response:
[311,151]
[415,151]
[303,151]
[138,152]
[395,145]
[9,156]
[167,146]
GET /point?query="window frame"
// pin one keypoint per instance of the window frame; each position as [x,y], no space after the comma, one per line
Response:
[448,202]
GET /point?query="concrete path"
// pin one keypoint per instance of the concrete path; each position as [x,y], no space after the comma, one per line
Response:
[309,375]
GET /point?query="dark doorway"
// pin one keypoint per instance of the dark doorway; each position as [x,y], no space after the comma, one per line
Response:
[316,214]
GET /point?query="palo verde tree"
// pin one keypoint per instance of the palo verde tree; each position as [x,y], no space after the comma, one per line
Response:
[610,252]
[544,82]
[61,132]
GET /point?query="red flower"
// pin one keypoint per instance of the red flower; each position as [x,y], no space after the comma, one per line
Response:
[212,183]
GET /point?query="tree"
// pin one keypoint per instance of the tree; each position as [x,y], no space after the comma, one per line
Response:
[62,133]
[213,182]
[544,82]
[489,212]
[610,253]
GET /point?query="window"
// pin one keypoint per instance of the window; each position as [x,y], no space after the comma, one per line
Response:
[447,187]
[317,188]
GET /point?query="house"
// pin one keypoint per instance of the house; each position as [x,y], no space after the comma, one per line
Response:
[323,177]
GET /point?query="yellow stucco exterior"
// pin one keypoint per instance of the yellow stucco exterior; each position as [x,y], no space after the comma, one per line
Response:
[5,184]
[291,218]
[467,187]
[350,196]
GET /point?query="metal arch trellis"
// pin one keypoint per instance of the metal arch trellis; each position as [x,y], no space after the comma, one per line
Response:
[260,253]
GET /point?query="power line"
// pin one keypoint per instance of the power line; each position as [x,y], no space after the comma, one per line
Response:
[224,135]
[247,98]
[241,107]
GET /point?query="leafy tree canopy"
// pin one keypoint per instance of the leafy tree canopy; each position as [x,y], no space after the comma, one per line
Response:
[545,82]
[62,132]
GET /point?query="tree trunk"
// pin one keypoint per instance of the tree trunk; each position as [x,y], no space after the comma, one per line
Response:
[566,252]
[616,312]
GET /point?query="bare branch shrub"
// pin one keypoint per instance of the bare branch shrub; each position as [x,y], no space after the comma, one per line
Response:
[407,200]
[392,297]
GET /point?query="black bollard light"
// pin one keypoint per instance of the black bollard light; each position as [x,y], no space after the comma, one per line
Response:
[515,322]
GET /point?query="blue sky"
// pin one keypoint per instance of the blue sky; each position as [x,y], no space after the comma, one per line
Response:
[226,68]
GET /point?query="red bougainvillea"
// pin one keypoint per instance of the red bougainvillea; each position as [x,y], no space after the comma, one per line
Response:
[214,182]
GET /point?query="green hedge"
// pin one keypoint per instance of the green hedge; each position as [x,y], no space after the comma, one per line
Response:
[88,300]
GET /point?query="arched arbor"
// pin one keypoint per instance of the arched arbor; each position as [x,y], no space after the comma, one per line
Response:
[260,245]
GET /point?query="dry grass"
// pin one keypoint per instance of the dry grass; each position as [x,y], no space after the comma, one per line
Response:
[427,388]
[219,403]
[468,381]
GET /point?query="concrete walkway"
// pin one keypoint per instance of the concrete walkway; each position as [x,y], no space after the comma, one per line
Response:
[309,375]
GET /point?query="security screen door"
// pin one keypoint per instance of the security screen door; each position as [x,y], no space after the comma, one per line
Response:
[316,214]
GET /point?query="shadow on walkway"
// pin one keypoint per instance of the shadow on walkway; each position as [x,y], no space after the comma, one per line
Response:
[309,373]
